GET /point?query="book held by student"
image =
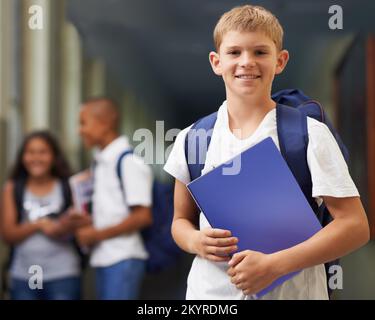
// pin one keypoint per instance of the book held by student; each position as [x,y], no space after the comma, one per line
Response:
[261,204]
[82,186]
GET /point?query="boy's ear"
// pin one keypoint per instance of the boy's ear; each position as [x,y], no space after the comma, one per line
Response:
[282,60]
[215,62]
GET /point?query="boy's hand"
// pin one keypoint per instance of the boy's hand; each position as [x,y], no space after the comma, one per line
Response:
[87,236]
[215,244]
[252,271]
[73,219]
[79,220]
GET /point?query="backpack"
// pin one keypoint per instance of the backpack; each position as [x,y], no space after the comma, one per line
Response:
[163,251]
[292,109]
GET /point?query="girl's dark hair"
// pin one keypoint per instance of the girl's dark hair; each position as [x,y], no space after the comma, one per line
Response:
[60,167]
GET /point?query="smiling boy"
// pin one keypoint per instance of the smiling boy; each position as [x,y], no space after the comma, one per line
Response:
[248,55]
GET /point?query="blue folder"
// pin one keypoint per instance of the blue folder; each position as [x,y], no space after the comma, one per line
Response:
[262,204]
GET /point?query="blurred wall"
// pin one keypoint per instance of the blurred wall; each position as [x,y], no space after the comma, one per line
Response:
[45,75]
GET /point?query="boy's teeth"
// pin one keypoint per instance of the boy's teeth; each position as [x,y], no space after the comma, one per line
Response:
[247,76]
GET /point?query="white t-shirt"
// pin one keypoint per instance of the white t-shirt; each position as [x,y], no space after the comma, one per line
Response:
[110,207]
[330,177]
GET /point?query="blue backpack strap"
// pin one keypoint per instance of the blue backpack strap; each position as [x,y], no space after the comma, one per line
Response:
[293,141]
[313,109]
[119,167]
[305,106]
[195,151]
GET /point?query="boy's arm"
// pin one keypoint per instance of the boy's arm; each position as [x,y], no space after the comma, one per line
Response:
[138,185]
[212,244]
[139,218]
[253,271]
[348,231]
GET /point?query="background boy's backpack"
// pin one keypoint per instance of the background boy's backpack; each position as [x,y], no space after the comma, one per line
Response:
[163,251]
[292,109]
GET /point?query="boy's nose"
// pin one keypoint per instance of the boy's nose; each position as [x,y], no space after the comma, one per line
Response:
[247,61]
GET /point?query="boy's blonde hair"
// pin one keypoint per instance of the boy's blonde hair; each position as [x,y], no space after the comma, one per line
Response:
[249,18]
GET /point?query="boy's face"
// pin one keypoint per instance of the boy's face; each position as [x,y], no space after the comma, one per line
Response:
[248,63]
[91,128]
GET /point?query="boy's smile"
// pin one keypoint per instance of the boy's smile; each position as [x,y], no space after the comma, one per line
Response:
[248,62]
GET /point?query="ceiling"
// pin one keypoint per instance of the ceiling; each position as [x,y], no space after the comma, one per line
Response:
[169,42]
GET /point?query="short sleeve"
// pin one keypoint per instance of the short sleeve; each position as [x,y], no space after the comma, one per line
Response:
[329,171]
[137,180]
[176,164]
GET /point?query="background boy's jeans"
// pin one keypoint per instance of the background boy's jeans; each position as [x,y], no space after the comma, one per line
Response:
[61,289]
[120,281]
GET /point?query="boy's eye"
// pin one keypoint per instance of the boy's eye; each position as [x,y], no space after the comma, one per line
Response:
[260,52]
[234,52]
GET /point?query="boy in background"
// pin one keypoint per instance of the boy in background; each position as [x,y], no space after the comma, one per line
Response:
[118,253]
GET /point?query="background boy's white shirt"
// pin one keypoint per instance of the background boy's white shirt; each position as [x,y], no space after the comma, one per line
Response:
[330,176]
[111,208]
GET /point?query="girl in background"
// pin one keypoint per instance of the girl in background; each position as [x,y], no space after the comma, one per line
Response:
[38,224]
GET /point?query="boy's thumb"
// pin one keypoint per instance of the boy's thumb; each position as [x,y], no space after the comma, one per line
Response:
[236,258]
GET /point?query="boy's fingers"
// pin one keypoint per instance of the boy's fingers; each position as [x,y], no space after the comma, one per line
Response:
[231,272]
[221,250]
[220,242]
[214,258]
[217,233]
[237,258]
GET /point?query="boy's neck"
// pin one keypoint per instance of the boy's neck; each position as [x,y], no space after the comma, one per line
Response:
[244,109]
[249,109]
[245,114]
[108,139]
